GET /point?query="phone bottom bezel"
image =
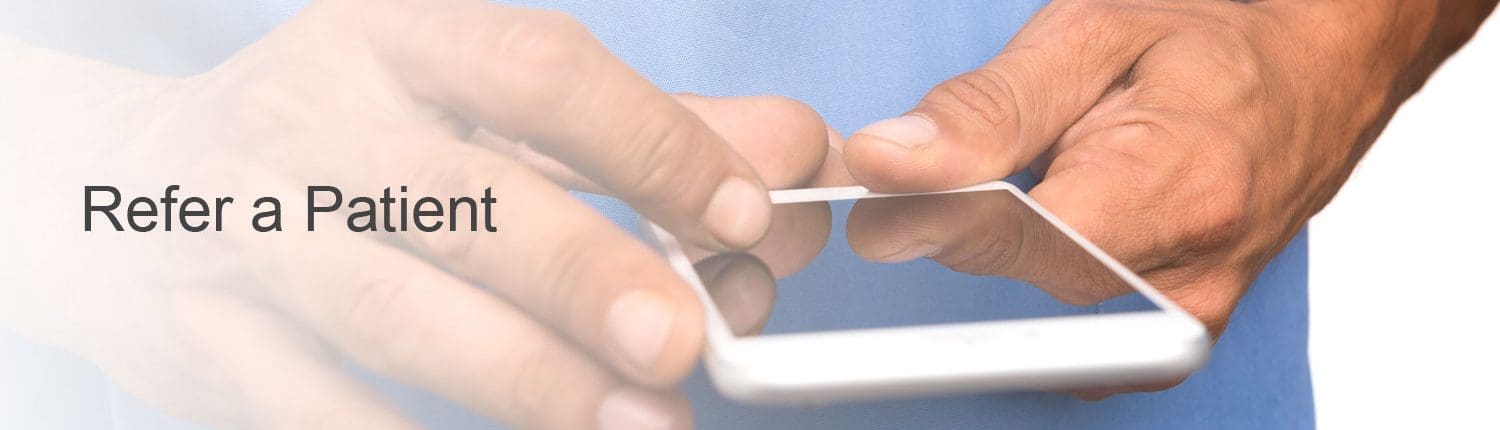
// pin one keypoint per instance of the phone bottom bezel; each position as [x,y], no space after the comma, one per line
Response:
[1028,354]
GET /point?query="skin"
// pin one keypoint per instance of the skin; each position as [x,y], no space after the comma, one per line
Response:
[1192,140]
[743,284]
[1234,123]
[559,320]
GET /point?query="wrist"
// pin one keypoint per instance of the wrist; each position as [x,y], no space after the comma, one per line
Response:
[1393,43]
[1336,69]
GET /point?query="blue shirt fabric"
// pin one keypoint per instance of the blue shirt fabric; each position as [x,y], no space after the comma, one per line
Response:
[857,62]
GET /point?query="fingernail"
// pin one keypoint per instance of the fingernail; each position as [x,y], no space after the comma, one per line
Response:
[738,213]
[631,409]
[639,324]
[906,131]
[913,252]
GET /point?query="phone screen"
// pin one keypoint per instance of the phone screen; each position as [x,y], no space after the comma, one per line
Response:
[909,261]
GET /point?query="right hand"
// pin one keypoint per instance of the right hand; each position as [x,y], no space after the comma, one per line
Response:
[559,320]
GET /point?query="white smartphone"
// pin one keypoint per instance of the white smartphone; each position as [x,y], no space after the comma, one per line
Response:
[839,301]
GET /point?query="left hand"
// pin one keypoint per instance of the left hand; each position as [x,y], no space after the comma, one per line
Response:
[1190,140]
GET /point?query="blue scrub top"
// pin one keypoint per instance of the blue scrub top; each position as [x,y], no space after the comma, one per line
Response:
[857,62]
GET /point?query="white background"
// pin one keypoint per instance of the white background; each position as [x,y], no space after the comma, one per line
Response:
[1405,264]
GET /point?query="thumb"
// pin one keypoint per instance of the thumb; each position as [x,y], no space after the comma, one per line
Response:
[991,122]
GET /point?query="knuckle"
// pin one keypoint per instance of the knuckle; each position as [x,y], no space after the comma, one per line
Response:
[1107,25]
[569,265]
[1235,56]
[451,248]
[1220,199]
[1111,34]
[658,156]
[531,56]
[546,37]
[1222,219]
[986,255]
[1225,68]
[460,173]
[982,96]
[1195,178]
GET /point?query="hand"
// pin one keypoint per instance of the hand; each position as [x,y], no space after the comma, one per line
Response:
[1190,140]
[559,320]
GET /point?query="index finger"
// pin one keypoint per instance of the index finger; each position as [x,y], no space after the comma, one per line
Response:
[541,77]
